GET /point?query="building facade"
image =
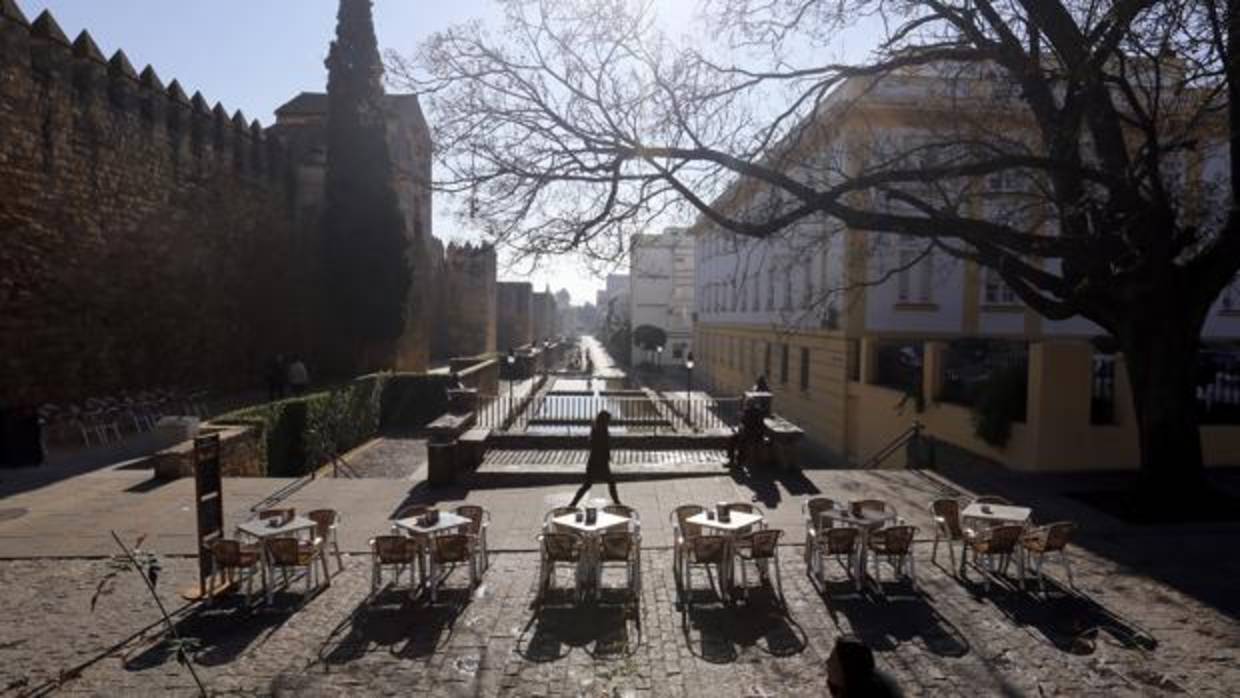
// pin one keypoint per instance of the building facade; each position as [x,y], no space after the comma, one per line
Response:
[661,269]
[860,334]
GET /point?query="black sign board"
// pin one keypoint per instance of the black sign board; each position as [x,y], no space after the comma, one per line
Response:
[209,501]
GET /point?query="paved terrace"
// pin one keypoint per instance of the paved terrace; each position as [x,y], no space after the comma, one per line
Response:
[1156,615]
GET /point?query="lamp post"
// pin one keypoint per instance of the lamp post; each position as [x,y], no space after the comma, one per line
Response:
[512,361]
[689,388]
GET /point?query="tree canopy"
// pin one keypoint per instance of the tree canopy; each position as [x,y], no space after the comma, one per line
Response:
[1108,128]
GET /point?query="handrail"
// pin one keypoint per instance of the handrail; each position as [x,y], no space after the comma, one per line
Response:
[912,435]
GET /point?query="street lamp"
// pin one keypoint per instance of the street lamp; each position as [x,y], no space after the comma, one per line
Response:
[659,357]
[512,361]
[689,388]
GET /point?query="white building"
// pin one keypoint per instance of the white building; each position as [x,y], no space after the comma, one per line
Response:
[847,325]
[662,292]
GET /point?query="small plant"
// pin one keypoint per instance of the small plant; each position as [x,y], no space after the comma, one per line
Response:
[147,566]
[1000,402]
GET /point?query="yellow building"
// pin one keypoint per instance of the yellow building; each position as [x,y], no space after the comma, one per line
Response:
[851,327]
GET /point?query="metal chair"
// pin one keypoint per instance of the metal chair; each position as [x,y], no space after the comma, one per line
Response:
[895,543]
[398,553]
[837,543]
[681,532]
[559,549]
[622,549]
[994,545]
[284,554]
[479,520]
[704,551]
[452,549]
[815,524]
[233,561]
[863,505]
[761,548]
[326,522]
[1042,541]
[947,527]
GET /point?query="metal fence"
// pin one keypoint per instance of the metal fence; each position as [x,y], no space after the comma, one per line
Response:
[575,413]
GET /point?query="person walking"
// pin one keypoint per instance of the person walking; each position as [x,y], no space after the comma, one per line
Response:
[598,467]
[298,377]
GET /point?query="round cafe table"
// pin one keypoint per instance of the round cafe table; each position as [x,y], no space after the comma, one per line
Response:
[869,520]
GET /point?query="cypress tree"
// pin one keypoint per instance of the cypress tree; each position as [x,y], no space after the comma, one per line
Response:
[368,275]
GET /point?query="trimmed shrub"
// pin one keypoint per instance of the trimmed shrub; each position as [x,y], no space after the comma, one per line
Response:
[413,400]
[302,433]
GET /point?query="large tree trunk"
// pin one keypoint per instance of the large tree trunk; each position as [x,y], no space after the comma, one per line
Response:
[1161,355]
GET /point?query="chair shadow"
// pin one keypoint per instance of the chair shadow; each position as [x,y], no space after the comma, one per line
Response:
[1069,619]
[393,621]
[224,630]
[900,614]
[758,620]
[607,628]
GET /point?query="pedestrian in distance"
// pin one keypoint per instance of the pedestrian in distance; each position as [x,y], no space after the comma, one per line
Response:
[598,466]
[298,377]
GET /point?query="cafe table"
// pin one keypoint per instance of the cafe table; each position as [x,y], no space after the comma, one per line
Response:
[995,514]
[418,527]
[865,522]
[263,529]
[736,523]
[590,532]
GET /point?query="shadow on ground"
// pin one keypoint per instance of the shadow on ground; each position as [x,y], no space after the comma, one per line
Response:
[392,621]
[606,628]
[1193,558]
[719,631]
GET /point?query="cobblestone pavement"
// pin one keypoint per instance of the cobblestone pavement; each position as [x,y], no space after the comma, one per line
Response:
[946,639]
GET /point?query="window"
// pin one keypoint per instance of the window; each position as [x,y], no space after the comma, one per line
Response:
[996,291]
[783,363]
[915,282]
[804,368]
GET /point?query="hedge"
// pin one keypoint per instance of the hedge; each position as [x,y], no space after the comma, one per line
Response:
[302,433]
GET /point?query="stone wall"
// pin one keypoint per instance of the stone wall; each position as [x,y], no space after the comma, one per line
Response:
[147,238]
[467,322]
[514,315]
[544,316]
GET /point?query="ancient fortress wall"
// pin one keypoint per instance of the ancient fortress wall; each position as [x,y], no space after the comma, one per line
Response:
[515,315]
[468,314]
[146,238]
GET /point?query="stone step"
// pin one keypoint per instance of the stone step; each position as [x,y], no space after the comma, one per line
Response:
[510,467]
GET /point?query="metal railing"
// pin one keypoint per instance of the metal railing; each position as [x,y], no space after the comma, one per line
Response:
[920,449]
[575,413]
